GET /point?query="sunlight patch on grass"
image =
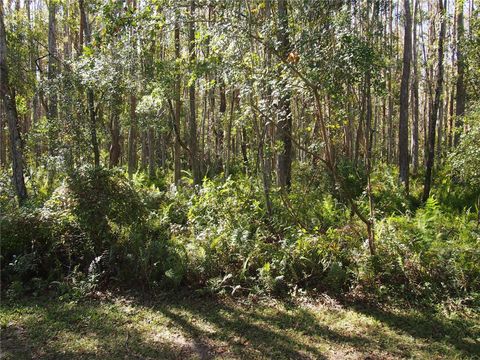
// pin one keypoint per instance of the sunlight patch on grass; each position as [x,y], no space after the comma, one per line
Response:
[189,328]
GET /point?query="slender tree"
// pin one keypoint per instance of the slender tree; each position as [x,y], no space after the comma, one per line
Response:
[460,86]
[436,106]
[404,93]
[192,119]
[52,111]
[284,128]
[178,107]
[86,36]
[8,96]
[415,93]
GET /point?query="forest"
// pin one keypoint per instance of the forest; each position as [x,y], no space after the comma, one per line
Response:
[240,179]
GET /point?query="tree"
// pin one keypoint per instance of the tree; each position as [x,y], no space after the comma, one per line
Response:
[86,31]
[284,128]
[436,106]
[460,86]
[404,93]
[192,119]
[415,93]
[178,107]
[52,111]
[9,103]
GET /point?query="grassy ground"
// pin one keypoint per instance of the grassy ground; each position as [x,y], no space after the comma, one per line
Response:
[190,327]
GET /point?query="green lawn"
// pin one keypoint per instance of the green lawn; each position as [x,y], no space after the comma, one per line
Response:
[190,327]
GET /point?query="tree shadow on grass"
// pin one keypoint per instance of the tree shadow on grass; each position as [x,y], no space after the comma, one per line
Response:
[83,331]
[242,337]
[460,333]
[249,333]
[204,328]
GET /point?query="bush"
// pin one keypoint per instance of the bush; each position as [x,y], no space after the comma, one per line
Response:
[428,256]
[97,224]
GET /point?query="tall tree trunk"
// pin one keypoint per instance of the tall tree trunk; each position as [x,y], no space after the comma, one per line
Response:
[85,26]
[228,140]
[178,105]
[192,120]
[460,86]
[244,146]
[390,90]
[52,110]
[436,106]
[219,133]
[8,96]
[265,159]
[3,138]
[115,135]
[441,114]
[284,129]
[415,101]
[369,131]
[132,134]
[403,123]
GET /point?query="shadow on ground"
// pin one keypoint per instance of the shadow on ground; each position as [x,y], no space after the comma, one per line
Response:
[204,328]
[461,333]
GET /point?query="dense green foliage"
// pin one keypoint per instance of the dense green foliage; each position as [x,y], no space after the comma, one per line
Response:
[99,228]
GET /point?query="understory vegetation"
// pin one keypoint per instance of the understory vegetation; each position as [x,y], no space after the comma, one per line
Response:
[98,229]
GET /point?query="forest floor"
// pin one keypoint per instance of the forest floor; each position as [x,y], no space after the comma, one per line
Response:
[193,327]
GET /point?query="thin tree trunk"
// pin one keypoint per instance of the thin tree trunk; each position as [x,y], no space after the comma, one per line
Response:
[8,96]
[115,135]
[460,86]
[244,148]
[84,25]
[3,138]
[265,160]
[132,134]
[435,109]
[368,162]
[404,92]
[284,128]
[178,105]
[52,110]
[145,150]
[192,120]
[415,101]
[390,91]
[151,152]
[228,139]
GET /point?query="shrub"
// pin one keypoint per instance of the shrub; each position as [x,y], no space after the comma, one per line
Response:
[428,256]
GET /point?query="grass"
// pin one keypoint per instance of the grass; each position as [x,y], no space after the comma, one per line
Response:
[192,327]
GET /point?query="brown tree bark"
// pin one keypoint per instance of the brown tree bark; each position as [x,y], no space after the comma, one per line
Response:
[435,108]
[132,137]
[52,109]
[85,26]
[192,120]
[115,149]
[8,96]
[404,92]
[3,138]
[460,86]
[390,90]
[151,152]
[178,106]
[284,128]
[415,100]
